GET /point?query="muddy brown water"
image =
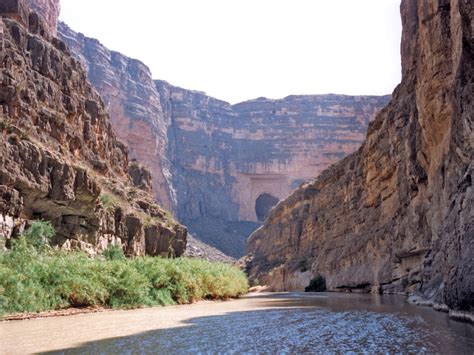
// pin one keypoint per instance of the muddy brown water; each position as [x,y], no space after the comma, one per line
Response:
[264,323]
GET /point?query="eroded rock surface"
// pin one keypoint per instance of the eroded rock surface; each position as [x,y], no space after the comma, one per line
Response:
[212,161]
[231,163]
[397,215]
[49,11]
[133,103]
[60,159]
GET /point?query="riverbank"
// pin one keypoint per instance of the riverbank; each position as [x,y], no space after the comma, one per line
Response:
[38,279]
[457,315]
[68,312]
[55,332]
[264,323]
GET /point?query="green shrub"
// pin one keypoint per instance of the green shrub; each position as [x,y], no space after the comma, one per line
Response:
[36,280]
[317,284]
[114,252]
[110,202]
[39,234]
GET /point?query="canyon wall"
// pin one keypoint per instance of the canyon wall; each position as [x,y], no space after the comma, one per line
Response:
[133,103]
[60,159]
[49,11]
[233,163]
[397,215]
[219,167]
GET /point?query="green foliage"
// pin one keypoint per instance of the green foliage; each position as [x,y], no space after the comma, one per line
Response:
[110,202]
[36,280]
[5,125]
[169,216]
[317,284]
[114,252]
[39,234]
[148,220]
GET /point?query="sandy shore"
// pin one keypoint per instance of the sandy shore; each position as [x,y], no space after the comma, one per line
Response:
[56,333]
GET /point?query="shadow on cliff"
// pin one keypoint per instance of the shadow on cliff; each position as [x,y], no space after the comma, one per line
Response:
[305,324]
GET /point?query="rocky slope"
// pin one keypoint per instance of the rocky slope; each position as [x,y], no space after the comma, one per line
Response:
[221,167]
[397,215]
[197,249]
[59,157]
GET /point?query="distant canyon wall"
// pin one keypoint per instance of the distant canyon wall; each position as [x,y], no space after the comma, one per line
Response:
[221,167]
[233,163]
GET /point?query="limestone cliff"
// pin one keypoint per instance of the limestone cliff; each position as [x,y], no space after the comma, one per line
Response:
[221,167]
[133,103]
[59,157]
[231,163]
[49,11]
[397,215]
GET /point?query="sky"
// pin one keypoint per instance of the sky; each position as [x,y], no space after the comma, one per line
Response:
[237,50]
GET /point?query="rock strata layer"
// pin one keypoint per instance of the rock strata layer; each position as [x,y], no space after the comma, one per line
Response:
[49,11]
[59,157]
[221,167]
[397,215]
[232,163]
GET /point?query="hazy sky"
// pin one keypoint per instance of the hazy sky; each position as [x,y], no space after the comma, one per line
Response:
[242,49]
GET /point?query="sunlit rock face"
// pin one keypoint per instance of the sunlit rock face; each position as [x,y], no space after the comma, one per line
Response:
[211,161]
[397,215]
[60,159]
[133,103]
[49,11]
[232,163]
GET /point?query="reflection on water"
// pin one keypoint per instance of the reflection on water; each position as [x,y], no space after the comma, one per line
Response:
[307,323]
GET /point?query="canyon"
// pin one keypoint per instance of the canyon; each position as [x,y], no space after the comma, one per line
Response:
[373,194]
[397,215]
[220,167]
[59,156]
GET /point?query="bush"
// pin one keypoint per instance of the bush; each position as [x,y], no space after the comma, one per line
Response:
[110,202]
[317,284]
[114,252]
[36,280]
[39,234]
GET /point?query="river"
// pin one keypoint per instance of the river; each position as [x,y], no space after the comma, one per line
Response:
[263,323]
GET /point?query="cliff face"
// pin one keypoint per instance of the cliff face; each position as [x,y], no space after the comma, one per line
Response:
[219,167]
[232,163]
[212,161]
[49,11]
[397,215]
[59,157]
[133,104]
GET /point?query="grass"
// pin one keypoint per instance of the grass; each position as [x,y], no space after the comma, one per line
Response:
[39,279]
[169,216]
[110,202]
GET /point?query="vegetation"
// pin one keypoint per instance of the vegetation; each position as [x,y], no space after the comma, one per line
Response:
[39,234]
[110,202]
[35,277]
[114,252]
[317,284]
[169,216]
[5,125]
